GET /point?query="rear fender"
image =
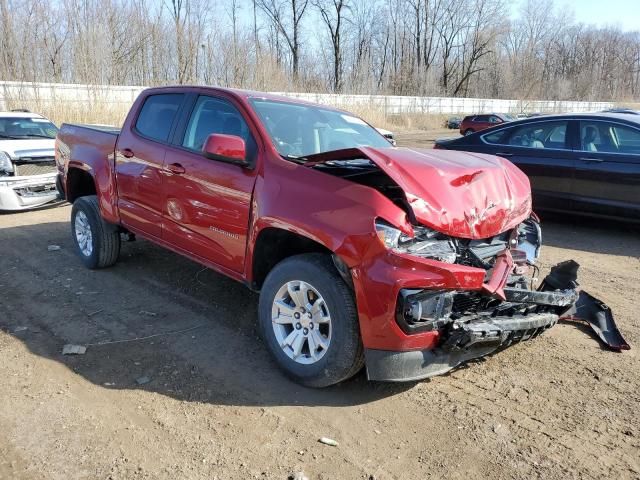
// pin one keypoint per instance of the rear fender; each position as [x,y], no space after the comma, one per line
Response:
[76,150]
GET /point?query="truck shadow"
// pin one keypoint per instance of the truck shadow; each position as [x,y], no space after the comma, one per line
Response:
[162,323]
[133,318]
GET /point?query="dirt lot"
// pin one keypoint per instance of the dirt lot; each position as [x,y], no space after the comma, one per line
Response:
[215,406]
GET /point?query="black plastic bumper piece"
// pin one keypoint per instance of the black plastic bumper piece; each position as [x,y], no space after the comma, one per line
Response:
[587,308]
[463,342]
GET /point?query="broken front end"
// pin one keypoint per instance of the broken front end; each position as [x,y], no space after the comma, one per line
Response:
[468,323]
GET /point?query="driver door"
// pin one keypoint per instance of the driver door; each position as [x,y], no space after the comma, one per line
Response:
[208,202]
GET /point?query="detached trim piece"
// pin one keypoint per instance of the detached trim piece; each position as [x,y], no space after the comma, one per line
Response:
[587,308]
[599,317]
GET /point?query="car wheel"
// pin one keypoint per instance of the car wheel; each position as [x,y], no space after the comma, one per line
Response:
[309,321]
[97,242]
[468,131]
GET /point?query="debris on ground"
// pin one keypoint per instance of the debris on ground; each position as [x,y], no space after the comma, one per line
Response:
[142,380]
[298,476]
[53,248]
[148,313]
[20,329]
[328,441]
[70,349]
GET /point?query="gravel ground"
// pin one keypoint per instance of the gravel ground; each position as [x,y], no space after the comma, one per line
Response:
[208,402]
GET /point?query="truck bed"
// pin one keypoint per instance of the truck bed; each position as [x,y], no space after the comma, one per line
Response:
[82,142]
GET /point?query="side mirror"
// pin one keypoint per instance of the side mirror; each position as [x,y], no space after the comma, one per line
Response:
[225,148]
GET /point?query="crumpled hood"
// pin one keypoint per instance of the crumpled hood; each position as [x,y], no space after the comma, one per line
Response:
[461,194]
[28,147]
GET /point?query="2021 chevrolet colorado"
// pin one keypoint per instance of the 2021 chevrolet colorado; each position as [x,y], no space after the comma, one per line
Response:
[409,261]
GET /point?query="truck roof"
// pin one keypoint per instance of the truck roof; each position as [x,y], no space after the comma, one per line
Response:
[244,94]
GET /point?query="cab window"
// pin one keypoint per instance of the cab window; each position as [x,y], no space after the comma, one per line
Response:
[158,114]
[214,115]
[536,135]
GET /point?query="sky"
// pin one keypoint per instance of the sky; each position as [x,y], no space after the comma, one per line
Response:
[623,13]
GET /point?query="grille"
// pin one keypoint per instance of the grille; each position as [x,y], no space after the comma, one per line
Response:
[35,168]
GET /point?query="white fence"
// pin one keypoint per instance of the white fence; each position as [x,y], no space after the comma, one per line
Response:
[12,92]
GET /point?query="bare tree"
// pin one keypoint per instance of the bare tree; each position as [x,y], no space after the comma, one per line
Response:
[332,13]
[286,16]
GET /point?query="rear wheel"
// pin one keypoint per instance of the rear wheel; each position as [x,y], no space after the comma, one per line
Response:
[97,242]
[309,321]
[468,131]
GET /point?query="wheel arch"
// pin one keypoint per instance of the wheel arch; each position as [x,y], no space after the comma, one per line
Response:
[79,183]
[274,244]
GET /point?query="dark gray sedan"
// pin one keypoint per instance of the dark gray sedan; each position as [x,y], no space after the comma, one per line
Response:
[582,163]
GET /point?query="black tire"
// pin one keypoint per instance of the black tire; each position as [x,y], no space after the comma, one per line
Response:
[344,356]
[468,131]
[105,237]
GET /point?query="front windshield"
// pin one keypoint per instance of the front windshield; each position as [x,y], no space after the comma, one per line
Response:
[26,127]
[300,130]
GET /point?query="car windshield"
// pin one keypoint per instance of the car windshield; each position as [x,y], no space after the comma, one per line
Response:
[299,130]
[26,127]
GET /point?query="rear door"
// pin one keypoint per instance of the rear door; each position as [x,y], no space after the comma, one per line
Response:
[139,162]
[607,180]
[208,202]
[542,150]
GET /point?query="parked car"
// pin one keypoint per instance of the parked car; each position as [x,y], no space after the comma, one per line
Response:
[581,163]
[453,123]
[474,123]
[411,261]
[27,166]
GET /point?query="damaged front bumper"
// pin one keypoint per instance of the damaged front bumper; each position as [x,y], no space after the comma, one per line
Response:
[467,338]
[24,192]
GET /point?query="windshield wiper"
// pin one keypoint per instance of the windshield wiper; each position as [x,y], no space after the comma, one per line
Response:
[295,159]
[11,137]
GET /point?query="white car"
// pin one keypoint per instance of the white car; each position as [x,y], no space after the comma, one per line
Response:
[388,134]
[27,165]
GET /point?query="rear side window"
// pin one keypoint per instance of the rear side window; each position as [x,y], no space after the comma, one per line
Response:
[158,114]
[495,137]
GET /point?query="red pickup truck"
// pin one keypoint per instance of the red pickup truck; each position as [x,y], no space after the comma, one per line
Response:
[409,261]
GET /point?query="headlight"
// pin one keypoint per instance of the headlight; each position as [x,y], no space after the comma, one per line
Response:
[5,163]
[388,235]
[426,243]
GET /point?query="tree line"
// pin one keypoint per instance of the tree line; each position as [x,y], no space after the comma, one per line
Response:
[400,47]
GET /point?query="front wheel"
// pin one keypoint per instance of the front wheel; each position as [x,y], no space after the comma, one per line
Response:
[468,131]
[309,321]
[97,242]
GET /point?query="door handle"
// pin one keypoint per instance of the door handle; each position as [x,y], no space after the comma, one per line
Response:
[175,168]
[127,153]
[504,154]
[591,159]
